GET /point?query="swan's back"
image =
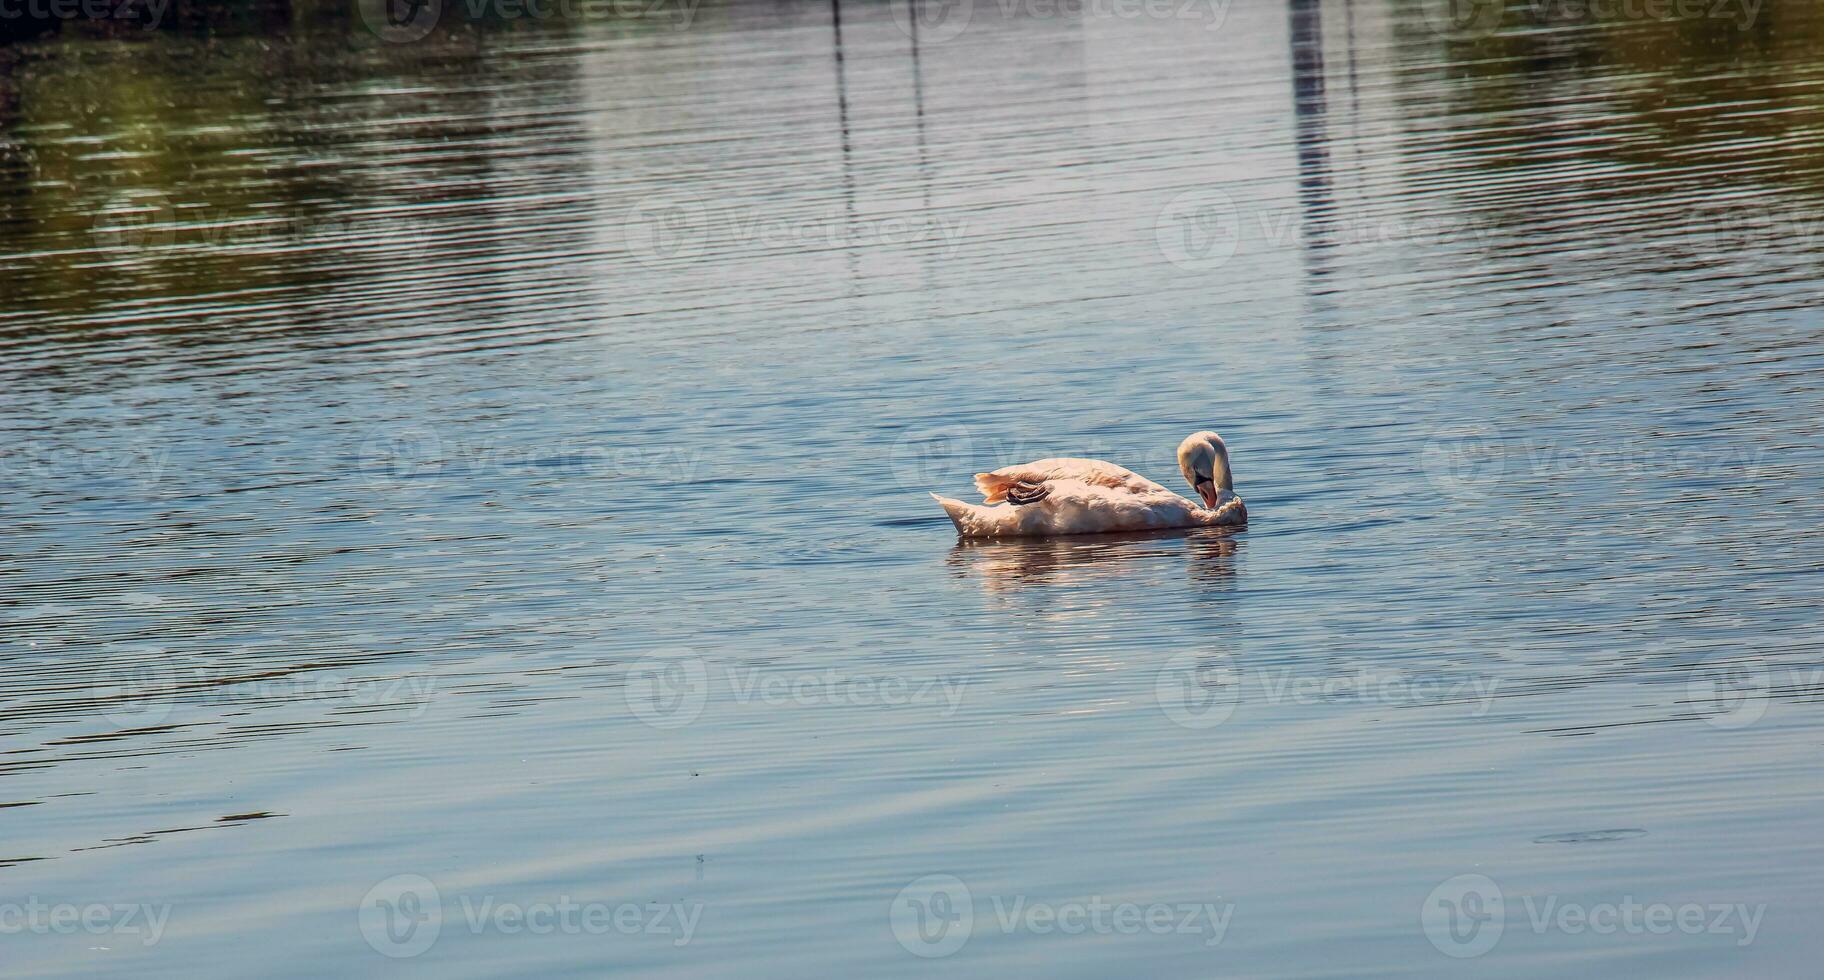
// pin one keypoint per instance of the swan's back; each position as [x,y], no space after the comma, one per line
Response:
[1094,472]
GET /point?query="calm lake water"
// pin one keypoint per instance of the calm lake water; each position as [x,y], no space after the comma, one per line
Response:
[465,498]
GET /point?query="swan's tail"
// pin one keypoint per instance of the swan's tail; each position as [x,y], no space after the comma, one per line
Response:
[993,487]
[958,511]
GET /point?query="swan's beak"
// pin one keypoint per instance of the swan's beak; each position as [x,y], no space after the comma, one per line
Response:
[1207,490]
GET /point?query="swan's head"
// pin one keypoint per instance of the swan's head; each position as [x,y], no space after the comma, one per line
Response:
[1204,461]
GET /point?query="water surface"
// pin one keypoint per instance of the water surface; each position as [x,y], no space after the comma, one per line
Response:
[501,459]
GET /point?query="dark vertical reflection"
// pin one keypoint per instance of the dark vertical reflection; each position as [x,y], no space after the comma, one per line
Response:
[842,121]
[1355,88]
[918,112]
[918,130]
[1315,195]
[15,169]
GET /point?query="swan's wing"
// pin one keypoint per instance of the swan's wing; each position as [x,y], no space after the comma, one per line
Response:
[1023,492]
[1077,507]
[1095,472]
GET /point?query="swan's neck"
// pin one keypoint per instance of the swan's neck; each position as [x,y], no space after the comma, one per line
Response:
[1219,471]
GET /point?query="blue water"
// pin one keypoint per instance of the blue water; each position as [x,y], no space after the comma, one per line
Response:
[465,499]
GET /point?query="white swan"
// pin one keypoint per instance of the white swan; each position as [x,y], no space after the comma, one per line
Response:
[1089,496]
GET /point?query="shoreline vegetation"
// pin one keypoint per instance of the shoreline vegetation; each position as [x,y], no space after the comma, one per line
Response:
[183,105]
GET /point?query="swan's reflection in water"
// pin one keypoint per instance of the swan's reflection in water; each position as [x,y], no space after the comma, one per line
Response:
[1209,554]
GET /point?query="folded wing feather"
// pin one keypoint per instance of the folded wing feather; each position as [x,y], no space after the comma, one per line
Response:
[1096,472]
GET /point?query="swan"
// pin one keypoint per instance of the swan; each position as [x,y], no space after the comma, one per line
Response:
[1090,496]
